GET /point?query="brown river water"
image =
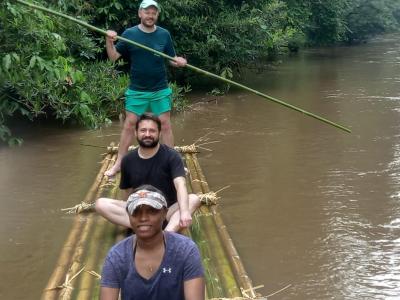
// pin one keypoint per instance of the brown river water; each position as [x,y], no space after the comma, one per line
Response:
[308,205]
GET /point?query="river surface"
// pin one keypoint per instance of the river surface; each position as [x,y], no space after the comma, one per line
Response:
[309,207]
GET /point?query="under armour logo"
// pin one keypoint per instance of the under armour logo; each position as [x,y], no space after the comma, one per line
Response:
[165,270]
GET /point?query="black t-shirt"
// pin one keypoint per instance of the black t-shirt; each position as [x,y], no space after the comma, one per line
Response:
[159,171]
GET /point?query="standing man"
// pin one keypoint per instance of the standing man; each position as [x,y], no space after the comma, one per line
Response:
[158,165]
[148,89]
[152,264]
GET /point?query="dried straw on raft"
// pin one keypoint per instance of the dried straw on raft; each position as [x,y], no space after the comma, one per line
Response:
[76,273]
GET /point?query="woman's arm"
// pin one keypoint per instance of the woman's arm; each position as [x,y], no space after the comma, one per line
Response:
[194,289]
[107,293]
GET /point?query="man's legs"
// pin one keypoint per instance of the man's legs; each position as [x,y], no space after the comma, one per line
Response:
[113,210]
[173,216]
[127,134]
[166,129]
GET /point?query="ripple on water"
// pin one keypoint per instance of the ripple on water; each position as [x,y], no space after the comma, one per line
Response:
[359,258]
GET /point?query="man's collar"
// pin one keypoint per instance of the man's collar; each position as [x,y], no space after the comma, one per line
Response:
[144,29]
[146,153]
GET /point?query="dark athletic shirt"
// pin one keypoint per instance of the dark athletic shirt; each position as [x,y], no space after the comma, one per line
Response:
[159,171]
[147,70]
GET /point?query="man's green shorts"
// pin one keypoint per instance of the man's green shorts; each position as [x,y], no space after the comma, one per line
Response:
[157,102]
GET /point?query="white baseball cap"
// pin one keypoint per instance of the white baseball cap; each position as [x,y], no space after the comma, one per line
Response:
[146,3]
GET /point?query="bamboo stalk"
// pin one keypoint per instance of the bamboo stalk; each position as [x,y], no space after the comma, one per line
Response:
[189,66]
[101,240]
[240,272]
[219,259]
[213,286]
[109,241]
[194,234]
[80,247]
[67,251]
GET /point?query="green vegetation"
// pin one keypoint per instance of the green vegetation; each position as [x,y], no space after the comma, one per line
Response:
[55,68]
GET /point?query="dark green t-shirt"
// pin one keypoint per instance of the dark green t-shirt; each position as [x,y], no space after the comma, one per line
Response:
[147,70]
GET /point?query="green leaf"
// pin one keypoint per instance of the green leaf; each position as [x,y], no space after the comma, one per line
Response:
[16,57]
[13,142]
[4,132]
[7,62]
[32,62]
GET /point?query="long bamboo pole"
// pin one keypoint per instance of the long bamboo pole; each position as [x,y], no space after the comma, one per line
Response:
[189,66]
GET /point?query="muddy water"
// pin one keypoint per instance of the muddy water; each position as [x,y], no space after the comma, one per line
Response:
[308,205]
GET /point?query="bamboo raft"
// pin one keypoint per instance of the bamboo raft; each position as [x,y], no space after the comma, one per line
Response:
[76,274]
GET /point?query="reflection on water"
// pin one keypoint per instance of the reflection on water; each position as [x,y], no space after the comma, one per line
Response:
[308,205]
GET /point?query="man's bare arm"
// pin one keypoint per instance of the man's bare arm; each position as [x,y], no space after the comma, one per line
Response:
[112,52]
[183,201]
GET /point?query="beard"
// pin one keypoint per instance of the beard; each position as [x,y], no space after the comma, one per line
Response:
[148,142]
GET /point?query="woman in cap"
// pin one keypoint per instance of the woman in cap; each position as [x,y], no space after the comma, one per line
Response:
[152,264]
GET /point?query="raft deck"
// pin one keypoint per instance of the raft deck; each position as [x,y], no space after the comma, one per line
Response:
[76,274]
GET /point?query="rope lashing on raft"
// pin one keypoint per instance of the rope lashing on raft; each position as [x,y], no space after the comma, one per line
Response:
[208,199]
[182,149]
[110,183]
[94,274]
[198,180]
[187,149]
[67,283]
[211,198]
[193,148]
[79,208]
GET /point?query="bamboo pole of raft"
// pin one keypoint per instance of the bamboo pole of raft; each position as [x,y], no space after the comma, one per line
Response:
[213,288]
[101,240]
[218,257]
[59,274]
[189,66]
[240,272]
[80,247]
[226,277]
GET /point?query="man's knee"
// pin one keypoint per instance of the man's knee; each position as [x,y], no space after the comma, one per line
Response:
[101,205]
[130,121]
[166,125]
[165,120]
[194,202]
